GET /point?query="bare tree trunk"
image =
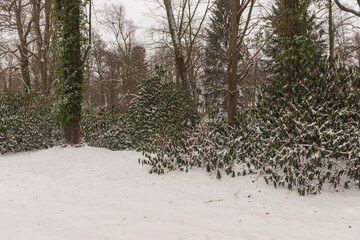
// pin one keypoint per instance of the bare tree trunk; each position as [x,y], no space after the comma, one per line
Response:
[233,61]
[9,83]
[23,33]
[24,66]
[236,10]
[45,53]
[357,39]
[331,31]
[42,41]
[179,56]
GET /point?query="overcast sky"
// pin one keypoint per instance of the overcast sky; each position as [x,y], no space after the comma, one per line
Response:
[139,11]
[136,10]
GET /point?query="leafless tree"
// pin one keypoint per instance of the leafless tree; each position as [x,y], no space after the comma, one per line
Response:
[116,65]
[15,18]
[181,31]
[339,27]
[41,10]
[345,8]
[178,49]
[122,31]
[27,24]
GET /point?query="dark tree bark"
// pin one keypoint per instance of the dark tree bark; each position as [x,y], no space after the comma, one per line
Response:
[236,10]
[331,30]
[233,60]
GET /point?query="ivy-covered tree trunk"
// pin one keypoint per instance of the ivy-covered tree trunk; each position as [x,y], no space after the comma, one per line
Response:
[69,69]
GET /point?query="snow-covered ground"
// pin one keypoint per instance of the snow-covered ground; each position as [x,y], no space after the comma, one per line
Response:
[95,194]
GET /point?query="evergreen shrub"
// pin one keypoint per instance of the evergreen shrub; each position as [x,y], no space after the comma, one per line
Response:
[304,134]
[158,114]
[26,123]
[310,128]
[105,127]
[213,145]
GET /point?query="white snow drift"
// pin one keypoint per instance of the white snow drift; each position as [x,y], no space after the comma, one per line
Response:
[95,194]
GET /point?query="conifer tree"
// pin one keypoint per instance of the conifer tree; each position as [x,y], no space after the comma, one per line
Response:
[294,43]
[216,58]
[290,19]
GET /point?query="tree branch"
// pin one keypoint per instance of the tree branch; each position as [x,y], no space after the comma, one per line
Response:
[346,9]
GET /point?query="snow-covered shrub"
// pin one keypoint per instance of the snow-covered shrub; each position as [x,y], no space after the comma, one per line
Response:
[310,134]
[309,127]
[308,118]
[105,127]
[213,145]
[159,113]
[26,123]
[301,138]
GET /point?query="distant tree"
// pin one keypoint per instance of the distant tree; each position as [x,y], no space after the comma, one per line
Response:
[15,16]
[124,63]
[41,11]
[181,33]
[184,25]
[163,56]
[338,28]
[96,91]
[27,38]
[230,56]
[139,72]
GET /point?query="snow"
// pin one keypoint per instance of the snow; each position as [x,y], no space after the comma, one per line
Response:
[96,194]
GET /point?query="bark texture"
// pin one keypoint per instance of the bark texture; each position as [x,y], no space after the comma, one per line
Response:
[179,55]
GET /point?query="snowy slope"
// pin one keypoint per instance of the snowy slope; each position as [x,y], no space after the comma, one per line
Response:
[95,194]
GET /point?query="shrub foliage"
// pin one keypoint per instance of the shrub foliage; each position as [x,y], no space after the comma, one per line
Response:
[301,141]
[26,123]
[105,127]
[302,135]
